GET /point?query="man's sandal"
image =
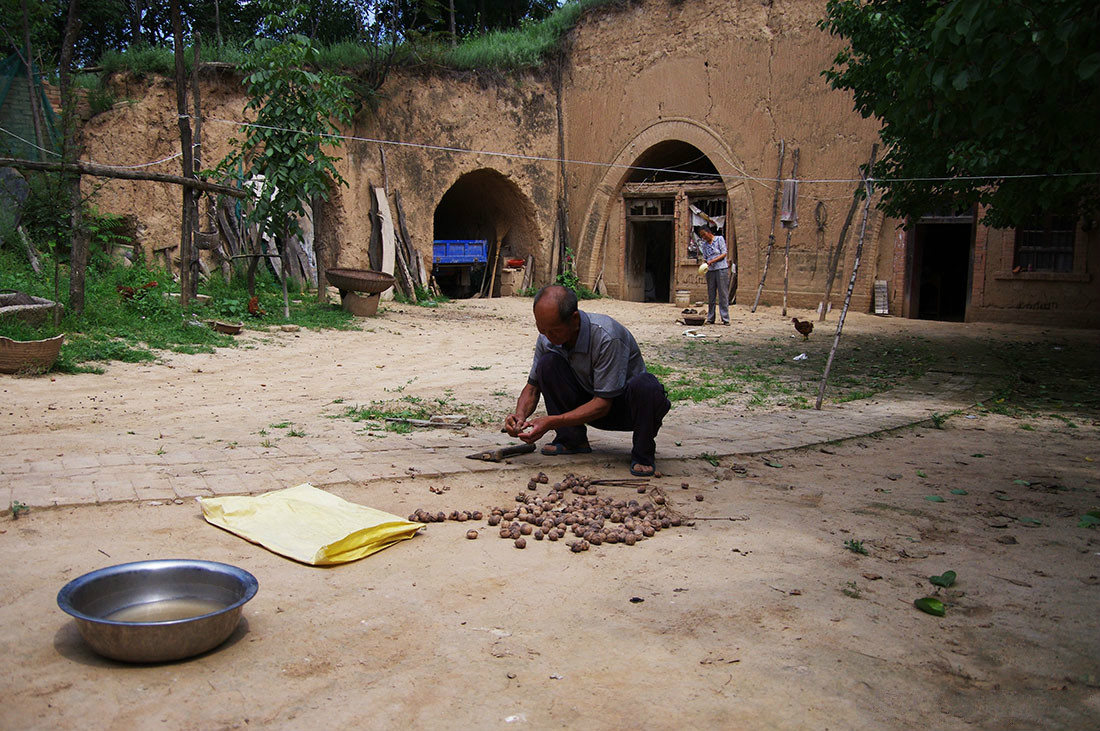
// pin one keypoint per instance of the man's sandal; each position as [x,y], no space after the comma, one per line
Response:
[555,449]
[643,470]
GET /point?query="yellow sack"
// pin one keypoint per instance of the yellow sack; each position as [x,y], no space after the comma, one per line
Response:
[307,524]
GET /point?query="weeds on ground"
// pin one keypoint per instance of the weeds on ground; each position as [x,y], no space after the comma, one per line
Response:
[709,457]
[856,547]
[938,419]
[377,413]
[424,298]
[132,313]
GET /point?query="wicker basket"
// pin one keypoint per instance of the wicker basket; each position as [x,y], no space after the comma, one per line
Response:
[227,328]
[29,310]
[29,356]
[359,280]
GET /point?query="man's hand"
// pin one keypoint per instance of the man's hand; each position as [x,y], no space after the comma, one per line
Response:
[533,430]
[514,424]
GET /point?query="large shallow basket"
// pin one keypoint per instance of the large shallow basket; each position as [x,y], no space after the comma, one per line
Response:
[29,356]
[32,311]
[366,281]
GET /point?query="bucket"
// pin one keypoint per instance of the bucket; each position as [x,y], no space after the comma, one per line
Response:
[359,304]
[683,298]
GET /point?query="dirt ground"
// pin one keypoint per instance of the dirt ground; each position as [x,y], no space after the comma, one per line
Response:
[753,615]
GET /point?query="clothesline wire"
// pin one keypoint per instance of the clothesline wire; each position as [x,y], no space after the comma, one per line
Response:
[93,162]
[543,158]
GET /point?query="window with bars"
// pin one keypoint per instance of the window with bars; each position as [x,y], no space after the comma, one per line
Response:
[1045,244]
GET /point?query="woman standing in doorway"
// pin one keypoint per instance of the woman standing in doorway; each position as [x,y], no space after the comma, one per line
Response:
[718,273]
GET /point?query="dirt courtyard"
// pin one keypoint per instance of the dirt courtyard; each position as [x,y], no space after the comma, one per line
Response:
[756,613]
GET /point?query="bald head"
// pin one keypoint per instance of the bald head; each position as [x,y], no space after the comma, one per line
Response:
[556,315]
[559,299]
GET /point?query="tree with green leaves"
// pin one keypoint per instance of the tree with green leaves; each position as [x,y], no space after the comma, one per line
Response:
[298,110]
[988,102]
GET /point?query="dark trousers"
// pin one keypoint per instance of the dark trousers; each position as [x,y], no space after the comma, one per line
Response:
[640,409]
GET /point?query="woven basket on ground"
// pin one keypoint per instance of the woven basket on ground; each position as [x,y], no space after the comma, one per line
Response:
[32,311]
[366,281]
[29,356]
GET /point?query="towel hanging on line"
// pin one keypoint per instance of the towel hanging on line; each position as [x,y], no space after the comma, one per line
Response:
[788,213]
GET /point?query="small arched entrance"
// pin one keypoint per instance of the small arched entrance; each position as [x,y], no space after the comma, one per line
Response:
[483,205]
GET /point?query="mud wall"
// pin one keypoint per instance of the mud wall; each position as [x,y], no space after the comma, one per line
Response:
[446,110]
[732,79]
[1000,294]
[479,153]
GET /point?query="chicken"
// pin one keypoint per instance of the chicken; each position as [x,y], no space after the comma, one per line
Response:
[805,327]
[129,293]
[254,308]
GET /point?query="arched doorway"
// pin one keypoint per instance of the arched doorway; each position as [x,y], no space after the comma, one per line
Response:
[671,186]
[483,205]
[701,169]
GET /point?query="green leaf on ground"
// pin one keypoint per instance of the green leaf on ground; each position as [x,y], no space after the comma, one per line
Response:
[1025,483]
[977,454]
[920,473]
[946,579]
[1002,496]
[934,499]
[1031,521]
[1088,520]
[959,491]
[930,605]
[772,464]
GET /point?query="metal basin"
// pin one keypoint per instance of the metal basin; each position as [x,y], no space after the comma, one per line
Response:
[156,611]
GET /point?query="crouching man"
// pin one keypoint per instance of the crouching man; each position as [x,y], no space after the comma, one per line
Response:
[590,371]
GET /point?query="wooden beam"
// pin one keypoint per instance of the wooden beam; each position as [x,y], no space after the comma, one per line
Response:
[103,171]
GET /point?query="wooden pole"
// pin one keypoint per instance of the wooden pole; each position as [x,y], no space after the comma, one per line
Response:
[868,189]
[415,266]
[188,160]
[103,171]
[834,263]
[493,273]
[385,174]
[775,214]
[70,148]
[196,162]
[32,88]
[787,246]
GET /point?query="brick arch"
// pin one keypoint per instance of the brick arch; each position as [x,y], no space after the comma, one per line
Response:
[591,244]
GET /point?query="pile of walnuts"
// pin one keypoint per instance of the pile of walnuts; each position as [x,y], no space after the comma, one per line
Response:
[593,520]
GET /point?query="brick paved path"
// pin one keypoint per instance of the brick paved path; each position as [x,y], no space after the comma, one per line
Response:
[95,474]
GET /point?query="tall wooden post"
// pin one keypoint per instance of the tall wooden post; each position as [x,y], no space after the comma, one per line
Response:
[834,262]
[775,214]
[868,189]
[196,163]
[32,88]
[188,158]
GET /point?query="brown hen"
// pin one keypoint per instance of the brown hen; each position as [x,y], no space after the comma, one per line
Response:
[805,327]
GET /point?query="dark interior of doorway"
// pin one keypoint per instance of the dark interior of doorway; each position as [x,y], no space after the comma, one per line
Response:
[653,241]
[944,265]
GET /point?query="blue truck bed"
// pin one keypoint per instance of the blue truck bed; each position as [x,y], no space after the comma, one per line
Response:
[460,251]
